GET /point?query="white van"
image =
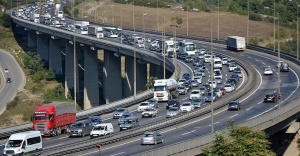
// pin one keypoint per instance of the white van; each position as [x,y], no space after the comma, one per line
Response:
[101,129]
[24,142]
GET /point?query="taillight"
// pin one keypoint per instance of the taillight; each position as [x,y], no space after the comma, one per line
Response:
[153,138]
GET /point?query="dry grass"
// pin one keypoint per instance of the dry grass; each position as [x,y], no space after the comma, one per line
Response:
[199,23]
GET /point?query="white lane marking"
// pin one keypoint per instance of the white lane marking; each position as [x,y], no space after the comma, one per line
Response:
[197,127]
[188,132]
[233,116]
[55,145]
[63,137]
[256,88]
[156,117]
[242,81]
[256,60]
[185,98]
[214,124]
[259,102]
[2,145]
[249,108]
[117,154]
[263,63]
[168,130]
[274,70]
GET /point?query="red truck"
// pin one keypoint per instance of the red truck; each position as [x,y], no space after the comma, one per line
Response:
[53,119]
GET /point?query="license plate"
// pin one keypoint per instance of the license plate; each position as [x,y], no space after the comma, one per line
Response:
[146,114]
[95,135]
[73,134]
[124,128]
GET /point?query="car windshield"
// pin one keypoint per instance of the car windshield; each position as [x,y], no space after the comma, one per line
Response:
[126,115]
[190,47]
[173,109]
[98,128]
[159,88]
[120,110]
[195,92]
[144,104]
[186,104]
[148,109]
[201,88]
[41,118]
[76,125]
[227,86]
[14,143]
[128,121]
[181,80]
[197,100]
[180,87]
[148,135]
[232,103]
[94,120]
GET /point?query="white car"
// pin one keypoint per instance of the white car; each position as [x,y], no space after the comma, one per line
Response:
[279,64]
[232,67]
[181,82]
[202,51]
[228,88]
[195,94]
[198,78]
[187,107]
[268,71]
[224,61]
[143,106]
[149,112]
[5,70]
[214,84]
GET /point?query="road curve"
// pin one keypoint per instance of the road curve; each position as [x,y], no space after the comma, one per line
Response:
[15,72]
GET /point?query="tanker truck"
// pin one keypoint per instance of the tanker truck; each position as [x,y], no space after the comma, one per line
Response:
[165,89]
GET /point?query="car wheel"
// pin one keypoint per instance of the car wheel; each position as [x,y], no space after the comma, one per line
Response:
[155,142]
[162,140]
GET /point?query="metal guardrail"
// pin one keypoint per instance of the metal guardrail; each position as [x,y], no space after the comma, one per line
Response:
[250,85]
[259,123]
[103,109]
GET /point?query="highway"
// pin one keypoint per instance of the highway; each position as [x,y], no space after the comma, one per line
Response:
[252,106]
[18,79]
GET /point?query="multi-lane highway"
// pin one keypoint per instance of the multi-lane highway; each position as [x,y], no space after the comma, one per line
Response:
[252,106]
[18,80]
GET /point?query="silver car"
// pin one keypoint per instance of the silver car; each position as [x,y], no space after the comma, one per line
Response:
[124,116]
[173,111]
[181,89]
[151,138]
[119,112]
[198,102]
[194,83]
[218,80]
[129,123]
[80,128]
[149,112]
[153,103]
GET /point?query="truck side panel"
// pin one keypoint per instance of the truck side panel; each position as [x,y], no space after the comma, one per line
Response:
[65,119]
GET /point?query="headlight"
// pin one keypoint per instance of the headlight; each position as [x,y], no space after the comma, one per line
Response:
[80,130]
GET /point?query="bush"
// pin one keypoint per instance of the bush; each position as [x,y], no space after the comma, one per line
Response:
[55,94]
[255,17]
[5,21]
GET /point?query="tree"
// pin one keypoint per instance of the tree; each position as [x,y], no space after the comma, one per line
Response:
[244,141]
[150,82]
[5,21]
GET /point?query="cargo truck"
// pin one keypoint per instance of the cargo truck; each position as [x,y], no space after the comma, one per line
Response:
[95,31]
[165,89]
[53,119]
[236,43]
[82,23]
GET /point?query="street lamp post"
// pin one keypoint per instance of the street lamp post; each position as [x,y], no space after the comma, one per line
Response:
[279,81]
[211,75]
[157,15]
[218,19]
[297,33]
[134,54]
[274,48]
[145,14]
[187,21]
[248,5]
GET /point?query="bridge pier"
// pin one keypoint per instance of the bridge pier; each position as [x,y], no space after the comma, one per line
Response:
[112,81]
[91,85]
[129,88]
[43,47]
[156,71]
[55,58]
[31,41]
[141,76]
[69,71]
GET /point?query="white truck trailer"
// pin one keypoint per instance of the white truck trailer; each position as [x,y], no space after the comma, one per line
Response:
[82,23]
[165,89]
[97,31]
[236,43]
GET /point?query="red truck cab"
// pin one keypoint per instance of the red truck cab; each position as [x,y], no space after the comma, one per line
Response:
[53,119]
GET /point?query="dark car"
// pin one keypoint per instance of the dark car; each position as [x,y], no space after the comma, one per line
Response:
[270,98]
[188,59]
[8,80]
[235,76]
[207,86]
[186,76]
[232,80]
[284,67]
[183,56]
[172,103]
[234,105]
[187,85]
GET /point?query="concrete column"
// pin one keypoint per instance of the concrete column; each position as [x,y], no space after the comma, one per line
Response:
[43,46]
[153,70]
[69,71]
[160,72]
[112,81]
[31,42]
[129,88]
[91,86]
[55,58]
[141,77]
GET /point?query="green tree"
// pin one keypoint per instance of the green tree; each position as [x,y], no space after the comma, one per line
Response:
[76,12]
[244,141]
[150,82]
[33,62]
[5,21]
[55,94]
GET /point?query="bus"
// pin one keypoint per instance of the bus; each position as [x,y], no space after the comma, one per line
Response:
[187,47]
[80,29]
[110,32]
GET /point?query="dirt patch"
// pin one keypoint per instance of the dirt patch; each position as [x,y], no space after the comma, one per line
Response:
[198,23]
